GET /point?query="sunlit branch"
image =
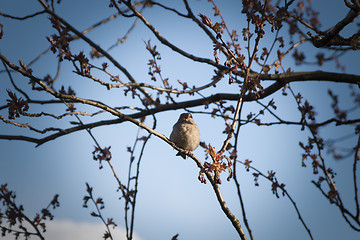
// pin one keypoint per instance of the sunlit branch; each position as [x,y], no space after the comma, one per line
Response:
[303,22]
[235,222]
[288,51]
[332,37]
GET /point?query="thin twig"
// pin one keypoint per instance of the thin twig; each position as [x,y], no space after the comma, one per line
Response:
[286,193]
[98,48]
[334,194]
[237,184]
[102,218]
[356,159]
[165,41]
[22,18]
[168,8]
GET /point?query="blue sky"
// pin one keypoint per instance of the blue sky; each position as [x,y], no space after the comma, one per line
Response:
[171,200]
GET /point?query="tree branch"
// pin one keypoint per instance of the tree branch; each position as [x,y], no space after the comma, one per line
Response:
[356,159]
[330,37]
[99,49]
[284,192]
[311,76]
[282,80]
[166,42]
[22,18]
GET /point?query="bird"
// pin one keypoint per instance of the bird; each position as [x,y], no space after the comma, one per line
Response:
[185,134]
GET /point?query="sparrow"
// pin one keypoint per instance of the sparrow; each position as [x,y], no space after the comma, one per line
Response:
[185,134]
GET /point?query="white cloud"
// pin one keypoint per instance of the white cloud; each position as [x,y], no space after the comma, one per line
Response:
[70,230]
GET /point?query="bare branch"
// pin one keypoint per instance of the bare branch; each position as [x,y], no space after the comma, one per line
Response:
[285,192]
[356,159]
[165,41]
[332,37]
[98,48]
[311,76]
[22,18]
